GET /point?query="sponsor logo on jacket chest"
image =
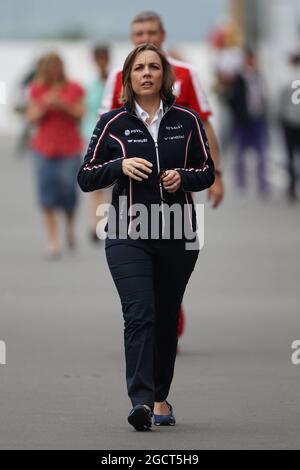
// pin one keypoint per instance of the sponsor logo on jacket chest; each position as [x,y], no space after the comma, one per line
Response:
[135,133]
[176,136]
[128,132]
[134,141]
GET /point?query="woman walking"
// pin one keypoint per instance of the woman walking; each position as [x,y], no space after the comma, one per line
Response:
[157,154]
[56,107]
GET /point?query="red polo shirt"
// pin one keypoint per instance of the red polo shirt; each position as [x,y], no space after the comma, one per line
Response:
[57,134]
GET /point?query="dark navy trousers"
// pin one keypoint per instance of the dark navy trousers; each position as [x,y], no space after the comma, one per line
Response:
[150,277]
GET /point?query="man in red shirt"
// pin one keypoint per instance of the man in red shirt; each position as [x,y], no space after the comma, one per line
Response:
[147,27]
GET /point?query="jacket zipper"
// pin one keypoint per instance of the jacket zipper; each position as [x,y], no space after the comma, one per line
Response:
[160,185]
[155,143]
[157,159]
[122,204]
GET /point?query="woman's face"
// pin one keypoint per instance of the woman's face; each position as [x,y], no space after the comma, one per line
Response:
[146,74]
[53,71]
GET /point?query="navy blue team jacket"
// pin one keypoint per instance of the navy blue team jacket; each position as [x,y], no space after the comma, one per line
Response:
[181,145]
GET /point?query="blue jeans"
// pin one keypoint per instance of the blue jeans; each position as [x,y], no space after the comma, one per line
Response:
[57,181]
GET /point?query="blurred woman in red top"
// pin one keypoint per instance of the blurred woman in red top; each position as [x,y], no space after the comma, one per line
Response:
[56,107]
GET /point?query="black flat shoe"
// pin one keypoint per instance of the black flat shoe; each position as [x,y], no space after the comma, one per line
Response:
[140,418]
[165,420]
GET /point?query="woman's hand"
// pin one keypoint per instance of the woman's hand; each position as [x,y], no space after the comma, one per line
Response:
[171,181]
[52,99]
[136,168]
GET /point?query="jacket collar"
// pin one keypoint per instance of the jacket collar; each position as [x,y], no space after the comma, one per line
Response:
[143,115]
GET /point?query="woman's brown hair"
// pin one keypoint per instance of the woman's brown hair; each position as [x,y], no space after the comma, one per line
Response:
[166,91]
[52,58]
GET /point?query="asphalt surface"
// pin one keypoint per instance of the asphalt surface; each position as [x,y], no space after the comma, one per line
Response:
[235,387]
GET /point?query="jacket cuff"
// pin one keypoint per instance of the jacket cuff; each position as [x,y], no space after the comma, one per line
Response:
[184,180]
[117,168]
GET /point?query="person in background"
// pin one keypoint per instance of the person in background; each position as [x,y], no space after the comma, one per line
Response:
[289,116]
[56,106]
[20,107]
[93,99]
[246,99]
[227,41]
[147,27]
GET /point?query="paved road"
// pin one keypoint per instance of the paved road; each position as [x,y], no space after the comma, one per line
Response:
[63,386]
